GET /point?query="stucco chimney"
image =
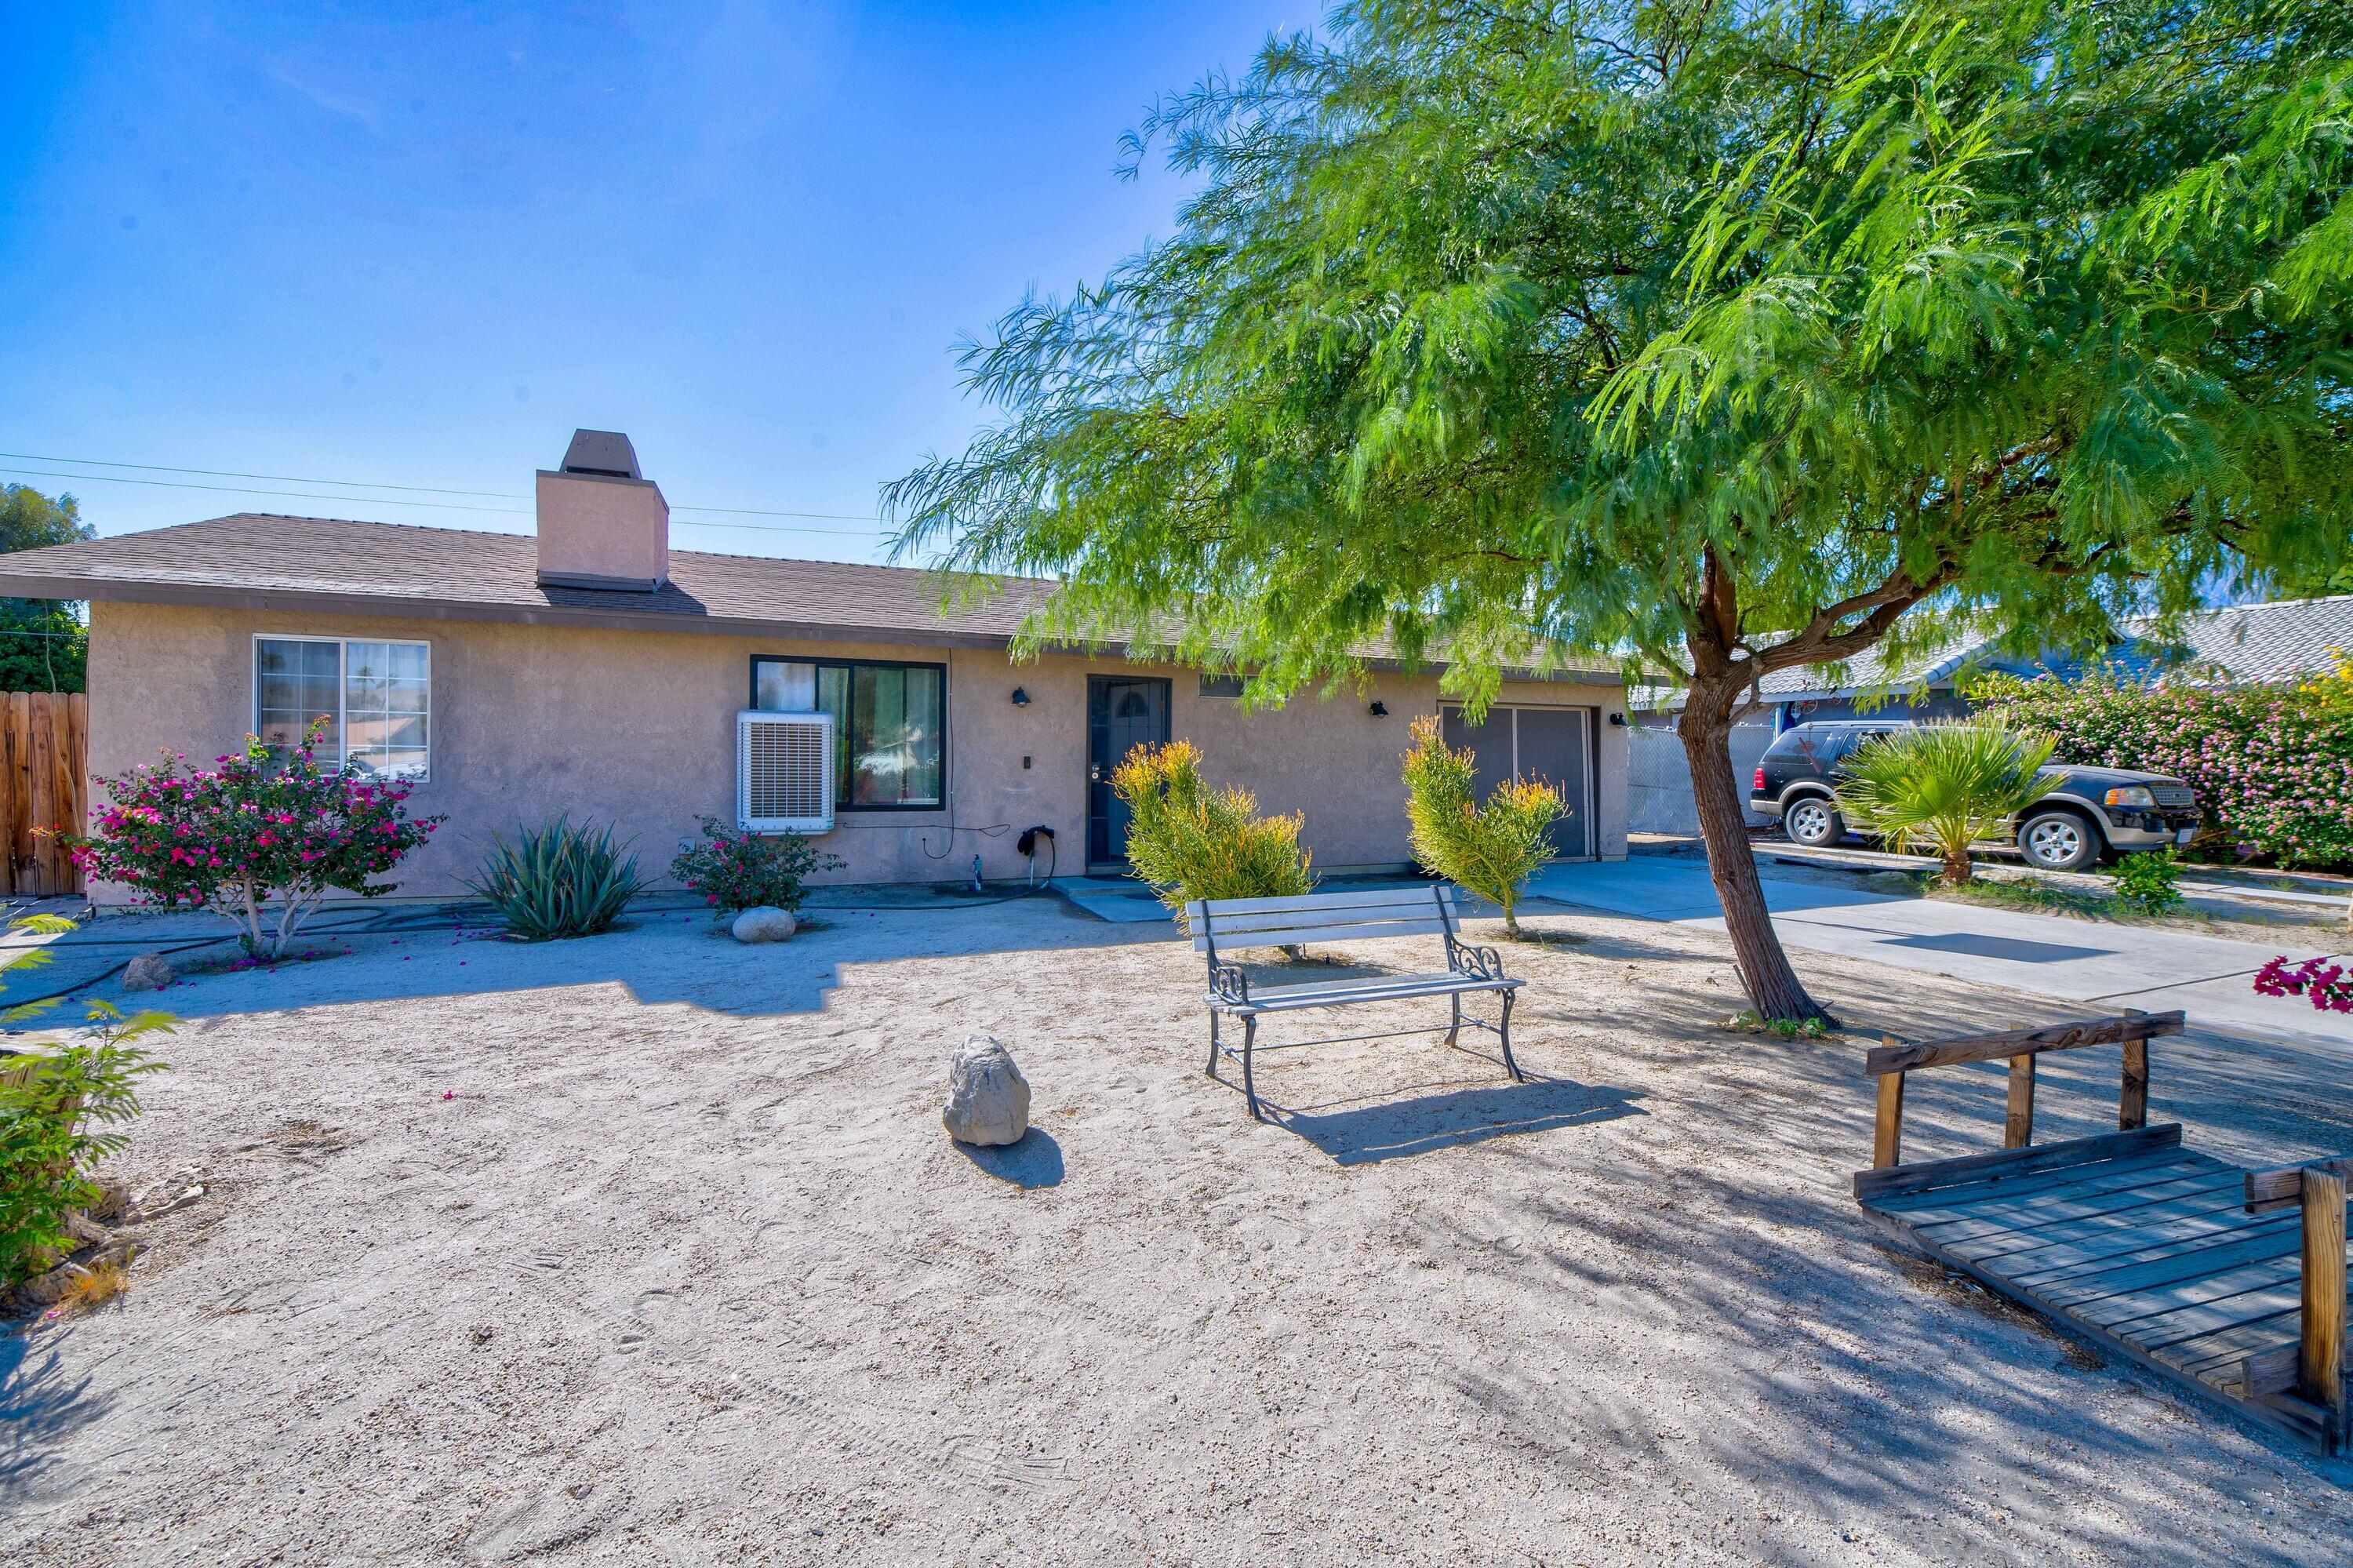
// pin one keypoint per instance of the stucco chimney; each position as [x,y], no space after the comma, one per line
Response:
[602,525]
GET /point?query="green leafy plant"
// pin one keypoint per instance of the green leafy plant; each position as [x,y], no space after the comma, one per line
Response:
[558,881]
[1491,849]
[1189,842]
[56,1102]
[256,829]
[1944,785]
[1755,1023]
[2150,884]
[733,869]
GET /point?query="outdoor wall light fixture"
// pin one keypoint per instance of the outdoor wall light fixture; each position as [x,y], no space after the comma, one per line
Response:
[1379,710]
[1020,698]
[1618,721]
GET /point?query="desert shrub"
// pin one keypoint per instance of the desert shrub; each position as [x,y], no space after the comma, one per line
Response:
[56,1102]
[1944,785]
[251,831]
[2272,765]
[1189,842]
[1491,849]
[2149,883]
[733,869]
[557,880]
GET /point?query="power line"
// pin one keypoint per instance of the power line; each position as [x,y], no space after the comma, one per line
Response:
[372,484]
[282,478]
[281,494]
[451,505]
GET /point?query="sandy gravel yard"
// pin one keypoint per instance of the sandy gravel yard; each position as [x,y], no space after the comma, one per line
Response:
[649,1250]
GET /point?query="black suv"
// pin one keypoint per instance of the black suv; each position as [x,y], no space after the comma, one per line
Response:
[2084,815]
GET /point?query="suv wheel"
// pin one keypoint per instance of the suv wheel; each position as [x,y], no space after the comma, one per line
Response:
[1813,821]
[2058,839]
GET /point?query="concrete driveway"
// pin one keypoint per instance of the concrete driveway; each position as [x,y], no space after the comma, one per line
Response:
[2114,967]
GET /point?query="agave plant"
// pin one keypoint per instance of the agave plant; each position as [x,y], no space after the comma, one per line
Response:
[1944,785]
[558,881]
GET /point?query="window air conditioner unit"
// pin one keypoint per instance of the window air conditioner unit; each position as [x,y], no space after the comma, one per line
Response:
[783,772]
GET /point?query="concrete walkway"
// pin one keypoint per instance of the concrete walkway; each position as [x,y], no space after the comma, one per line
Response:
[2114,967]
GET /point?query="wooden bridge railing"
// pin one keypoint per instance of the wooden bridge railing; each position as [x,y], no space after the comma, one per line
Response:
[2316,1370]
[1893,1058]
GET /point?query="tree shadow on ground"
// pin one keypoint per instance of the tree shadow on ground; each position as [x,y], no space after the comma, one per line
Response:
[40,1405]
[1363,1133]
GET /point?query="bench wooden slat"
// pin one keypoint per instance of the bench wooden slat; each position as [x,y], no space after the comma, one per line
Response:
[1368,991]
[1303,932]
[1429,893]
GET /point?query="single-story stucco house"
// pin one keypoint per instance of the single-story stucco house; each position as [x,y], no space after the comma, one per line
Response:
[591,669]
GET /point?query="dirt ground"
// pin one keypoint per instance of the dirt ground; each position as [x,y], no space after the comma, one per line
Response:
[651,1249]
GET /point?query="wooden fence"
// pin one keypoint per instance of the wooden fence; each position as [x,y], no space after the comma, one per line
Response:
[44,747]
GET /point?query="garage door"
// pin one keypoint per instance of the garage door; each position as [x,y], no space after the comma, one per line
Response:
[1552,745]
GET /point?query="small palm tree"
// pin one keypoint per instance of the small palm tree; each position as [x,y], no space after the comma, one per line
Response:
[1944,785]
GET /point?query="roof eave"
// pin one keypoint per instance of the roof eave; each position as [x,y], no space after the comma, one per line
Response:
[216,596]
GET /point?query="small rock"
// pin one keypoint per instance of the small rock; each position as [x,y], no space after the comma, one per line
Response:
[765,924]
[988,1100]
[148,972]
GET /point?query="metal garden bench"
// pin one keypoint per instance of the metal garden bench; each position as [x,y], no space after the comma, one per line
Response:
[1230,924]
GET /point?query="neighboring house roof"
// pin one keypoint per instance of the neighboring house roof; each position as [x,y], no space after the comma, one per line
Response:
[2251,643]
[2255,642]
[266,561]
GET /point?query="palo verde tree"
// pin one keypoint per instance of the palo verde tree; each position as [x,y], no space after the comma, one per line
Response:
[1724,338]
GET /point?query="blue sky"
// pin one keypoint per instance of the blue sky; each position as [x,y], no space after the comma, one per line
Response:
[420,243]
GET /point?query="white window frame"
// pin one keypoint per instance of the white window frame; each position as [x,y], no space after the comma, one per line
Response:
[343,664]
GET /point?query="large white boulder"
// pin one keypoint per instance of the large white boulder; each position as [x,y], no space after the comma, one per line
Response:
[765,924]
[988,1100]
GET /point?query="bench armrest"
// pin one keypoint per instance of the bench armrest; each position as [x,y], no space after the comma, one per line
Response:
[1479,963]
[1228,983]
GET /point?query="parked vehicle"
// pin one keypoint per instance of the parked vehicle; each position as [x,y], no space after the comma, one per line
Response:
[2084,815]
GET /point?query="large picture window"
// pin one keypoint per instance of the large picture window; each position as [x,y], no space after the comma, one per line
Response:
[376,698]
[887,719]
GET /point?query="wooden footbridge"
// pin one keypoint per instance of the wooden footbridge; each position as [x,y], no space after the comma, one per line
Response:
[2227,1281]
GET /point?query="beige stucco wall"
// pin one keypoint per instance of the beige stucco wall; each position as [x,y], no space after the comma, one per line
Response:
[638,728]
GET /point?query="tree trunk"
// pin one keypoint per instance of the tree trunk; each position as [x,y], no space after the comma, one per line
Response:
[1959,872]
[1773,987]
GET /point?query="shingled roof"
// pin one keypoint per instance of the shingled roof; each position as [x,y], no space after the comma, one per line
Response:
[263,560]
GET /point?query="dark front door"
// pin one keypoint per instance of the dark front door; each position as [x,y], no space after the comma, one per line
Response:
[1548,745]
[1123,712]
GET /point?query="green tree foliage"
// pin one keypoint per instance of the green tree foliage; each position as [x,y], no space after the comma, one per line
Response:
[1725,339]
[57,1102]
[1944,785]
[44,643]
[1188,842]
[1491,849]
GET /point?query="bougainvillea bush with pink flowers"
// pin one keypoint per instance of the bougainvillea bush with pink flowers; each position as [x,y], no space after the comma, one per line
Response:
[2272,765]
[257,837]
[2328,986]
[734,869]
